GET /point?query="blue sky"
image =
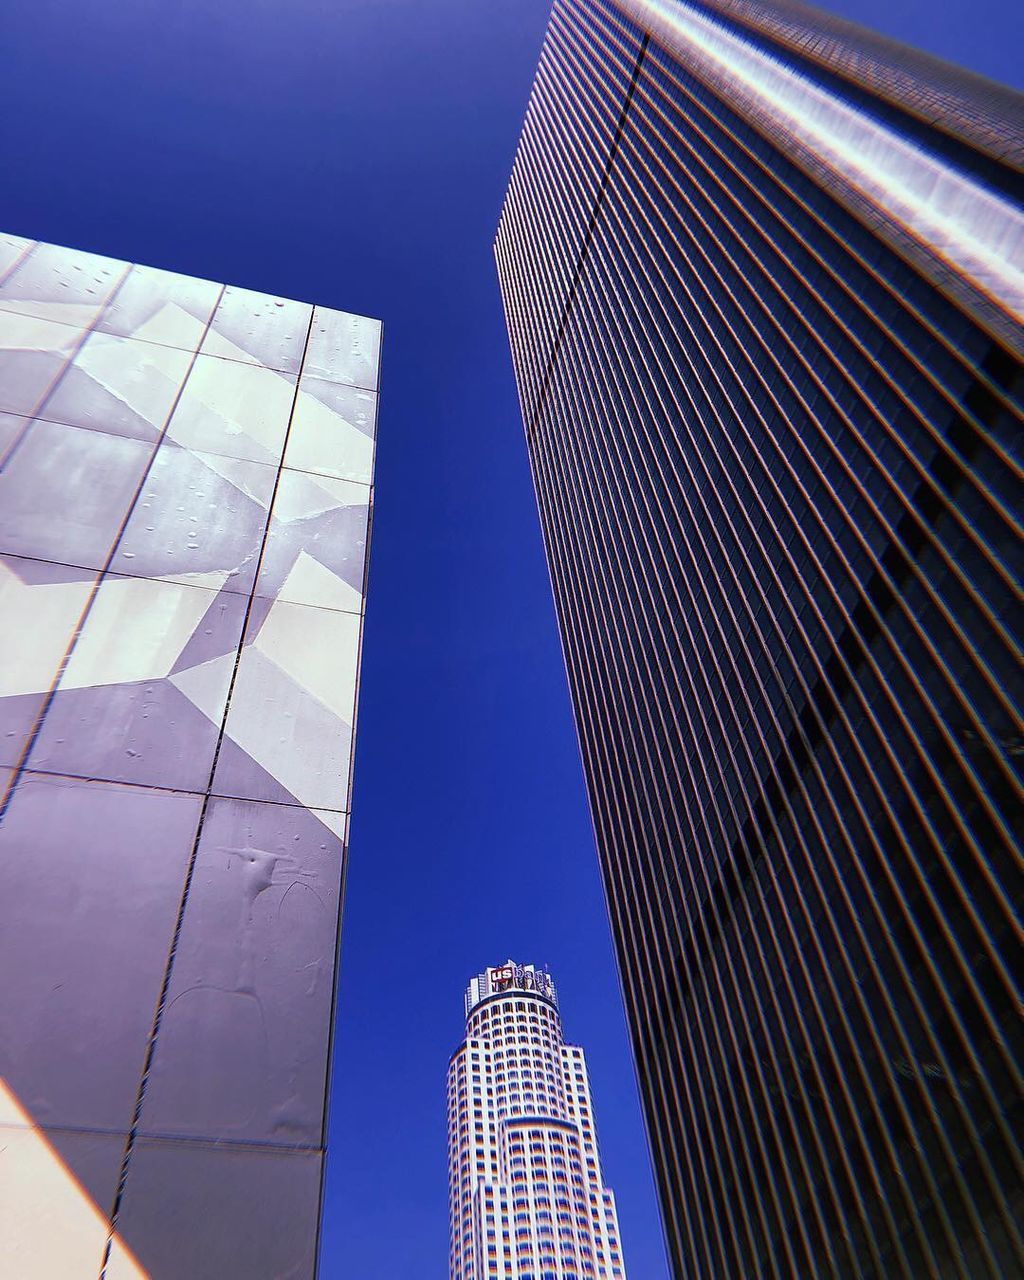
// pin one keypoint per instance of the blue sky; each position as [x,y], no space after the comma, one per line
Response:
[354,153]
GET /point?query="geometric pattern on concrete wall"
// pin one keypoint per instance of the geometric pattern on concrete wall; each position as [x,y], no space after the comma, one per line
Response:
[185,495]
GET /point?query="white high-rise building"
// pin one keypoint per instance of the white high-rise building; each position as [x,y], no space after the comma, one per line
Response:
[526,1197]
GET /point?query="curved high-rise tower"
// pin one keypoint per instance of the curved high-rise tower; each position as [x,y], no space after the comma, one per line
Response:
[764,280]
[527,1199]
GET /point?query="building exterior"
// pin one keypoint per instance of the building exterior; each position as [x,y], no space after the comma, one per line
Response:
[185,491]
[527,1199]
[764,281]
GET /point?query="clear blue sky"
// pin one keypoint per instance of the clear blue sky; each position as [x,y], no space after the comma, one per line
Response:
[354,153]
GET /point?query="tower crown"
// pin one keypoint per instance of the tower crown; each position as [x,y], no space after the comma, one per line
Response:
[510,977]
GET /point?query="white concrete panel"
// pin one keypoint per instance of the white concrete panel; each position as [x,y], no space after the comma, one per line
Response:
[288,731]
[344,348]
[50,1228]
[141,375]
[318,649]
[39,620]
[332,431]
[136,629]
[20,332]
[240,410]
[300,495]
[309,582]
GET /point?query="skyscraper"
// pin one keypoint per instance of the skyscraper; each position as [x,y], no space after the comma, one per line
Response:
[185,491]
[527,1199]
[764,280]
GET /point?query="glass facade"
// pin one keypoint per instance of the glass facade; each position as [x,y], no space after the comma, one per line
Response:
[185,497]
[762,276]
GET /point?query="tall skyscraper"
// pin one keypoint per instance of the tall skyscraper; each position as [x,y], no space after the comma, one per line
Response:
[527,1199]
[185,489]
[764,279]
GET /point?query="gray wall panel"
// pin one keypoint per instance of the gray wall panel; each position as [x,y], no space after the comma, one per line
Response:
[183,618]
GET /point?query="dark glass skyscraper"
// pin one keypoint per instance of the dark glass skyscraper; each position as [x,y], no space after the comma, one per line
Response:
[763,279]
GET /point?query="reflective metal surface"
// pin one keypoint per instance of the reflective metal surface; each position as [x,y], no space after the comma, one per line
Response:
[185,496]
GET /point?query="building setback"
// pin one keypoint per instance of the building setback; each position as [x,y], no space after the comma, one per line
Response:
[527,1199]
[185,491]
[763,274]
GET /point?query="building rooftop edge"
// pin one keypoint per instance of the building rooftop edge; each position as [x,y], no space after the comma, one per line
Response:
[983,113]
[503,979]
